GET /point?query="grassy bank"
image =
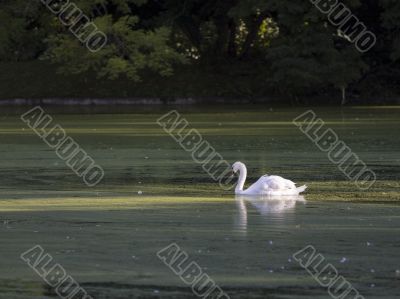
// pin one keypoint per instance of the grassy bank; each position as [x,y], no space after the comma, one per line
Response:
[229,83]
[39,79]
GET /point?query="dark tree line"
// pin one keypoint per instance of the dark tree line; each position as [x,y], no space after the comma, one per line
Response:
[291,44]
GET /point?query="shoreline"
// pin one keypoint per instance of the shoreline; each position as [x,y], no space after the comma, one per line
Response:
[159,101]
[117,101]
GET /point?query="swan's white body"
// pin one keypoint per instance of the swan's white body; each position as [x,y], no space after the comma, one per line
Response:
[271,185]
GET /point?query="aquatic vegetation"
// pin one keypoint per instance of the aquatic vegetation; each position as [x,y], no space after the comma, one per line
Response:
[153,194]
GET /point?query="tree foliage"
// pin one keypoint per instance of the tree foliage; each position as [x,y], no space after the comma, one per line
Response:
[131,47]
[291,42]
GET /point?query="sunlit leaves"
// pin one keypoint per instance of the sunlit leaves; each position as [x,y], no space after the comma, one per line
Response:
[130,50]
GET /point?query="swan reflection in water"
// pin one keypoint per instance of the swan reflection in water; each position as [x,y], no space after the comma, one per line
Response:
[266,206]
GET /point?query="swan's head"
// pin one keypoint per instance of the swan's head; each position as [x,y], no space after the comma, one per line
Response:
[237,166]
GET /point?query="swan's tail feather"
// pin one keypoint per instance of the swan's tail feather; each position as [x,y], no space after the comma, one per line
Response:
[301,189]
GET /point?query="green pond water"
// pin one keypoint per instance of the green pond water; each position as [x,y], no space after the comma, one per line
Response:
[106,237]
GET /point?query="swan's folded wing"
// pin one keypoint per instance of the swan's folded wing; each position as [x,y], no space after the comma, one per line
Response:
[290,184]
[276,182]
[259,187]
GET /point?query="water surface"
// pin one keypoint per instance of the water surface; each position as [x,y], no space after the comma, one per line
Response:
[107,236]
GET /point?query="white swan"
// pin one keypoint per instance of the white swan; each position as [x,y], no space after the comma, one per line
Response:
[272,185]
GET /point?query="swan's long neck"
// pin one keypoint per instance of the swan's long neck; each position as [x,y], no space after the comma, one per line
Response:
[242,179]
